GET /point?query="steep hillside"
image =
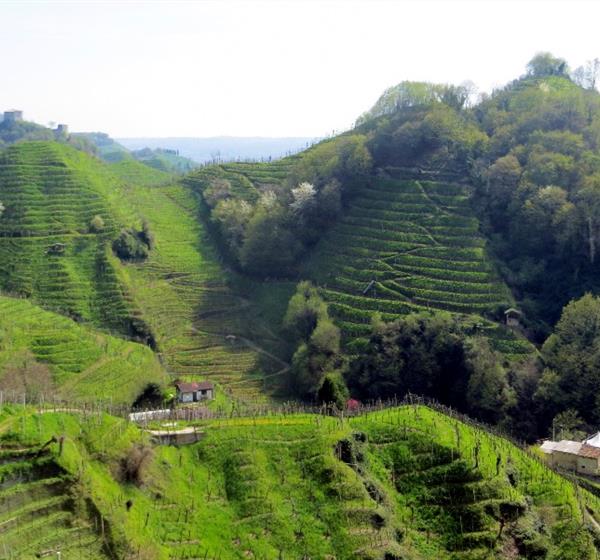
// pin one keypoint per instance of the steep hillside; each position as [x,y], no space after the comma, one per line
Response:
[399,245]
[178,299]
[406,246]
[405,483]
[41,512]
[203,328]
[46,354]
[49,250]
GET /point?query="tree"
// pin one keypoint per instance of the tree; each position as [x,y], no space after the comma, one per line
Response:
[270,248]
[333,390]
[305,308]
[232,217]
[489,395]
[588,204]
[307,320]
[303,198]
[418,354]
[545,64]
[96,224]
[573,352]
[217,190]
[568,425]
[587,76]
[2,208]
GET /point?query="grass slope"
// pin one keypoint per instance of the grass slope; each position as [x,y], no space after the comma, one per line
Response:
[39,514]
[51,192]
[45,353]
[204,328]
[406,483]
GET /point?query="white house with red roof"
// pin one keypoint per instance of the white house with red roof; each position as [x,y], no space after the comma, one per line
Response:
[194,391]
[579,456]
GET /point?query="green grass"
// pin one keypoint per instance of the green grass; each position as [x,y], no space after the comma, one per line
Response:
[407,482]
[193,305]
[51,192]
[45,353]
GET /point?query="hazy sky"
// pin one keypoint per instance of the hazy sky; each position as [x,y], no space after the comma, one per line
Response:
[270,68]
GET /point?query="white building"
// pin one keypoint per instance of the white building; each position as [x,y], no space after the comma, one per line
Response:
[579,456]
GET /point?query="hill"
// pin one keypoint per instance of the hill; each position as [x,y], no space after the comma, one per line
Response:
[178,300]
[204,325]
[111,151]
[223,148]
[49,248]
[407,246]
[400,245]
[405,483]
[43,354]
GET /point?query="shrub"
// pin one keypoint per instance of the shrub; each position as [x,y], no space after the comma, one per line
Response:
[134,466]
[129,246]
[96,224]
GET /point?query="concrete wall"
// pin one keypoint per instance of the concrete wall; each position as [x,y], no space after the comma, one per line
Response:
[587,465]
[564,460]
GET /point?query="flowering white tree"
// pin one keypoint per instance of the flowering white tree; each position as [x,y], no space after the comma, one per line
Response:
[268,199]
[1,208]
[304,195]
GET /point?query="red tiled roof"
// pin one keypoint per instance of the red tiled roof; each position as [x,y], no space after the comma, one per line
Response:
[589,451]
[194,386]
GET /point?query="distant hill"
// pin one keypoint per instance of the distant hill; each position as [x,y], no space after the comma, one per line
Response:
[223,148]
[159,158]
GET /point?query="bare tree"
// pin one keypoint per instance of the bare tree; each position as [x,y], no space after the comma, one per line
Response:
[587,76]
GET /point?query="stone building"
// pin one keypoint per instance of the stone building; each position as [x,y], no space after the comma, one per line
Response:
[13,116]
[582,457]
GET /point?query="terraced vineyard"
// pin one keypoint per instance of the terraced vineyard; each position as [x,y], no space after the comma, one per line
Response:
[405,246]
[39,512]
[246,179]
[43,353]
[47,251]
[407,482]
[202,327]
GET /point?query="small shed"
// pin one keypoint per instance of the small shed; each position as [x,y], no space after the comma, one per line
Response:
[176,437]
[56,249]
[513,317]
[195,391]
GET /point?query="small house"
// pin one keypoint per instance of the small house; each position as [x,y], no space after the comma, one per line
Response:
[56,249]
[195,391]
[513,317]
[581,457]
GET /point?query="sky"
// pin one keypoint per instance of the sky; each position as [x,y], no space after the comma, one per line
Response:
[264,68]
